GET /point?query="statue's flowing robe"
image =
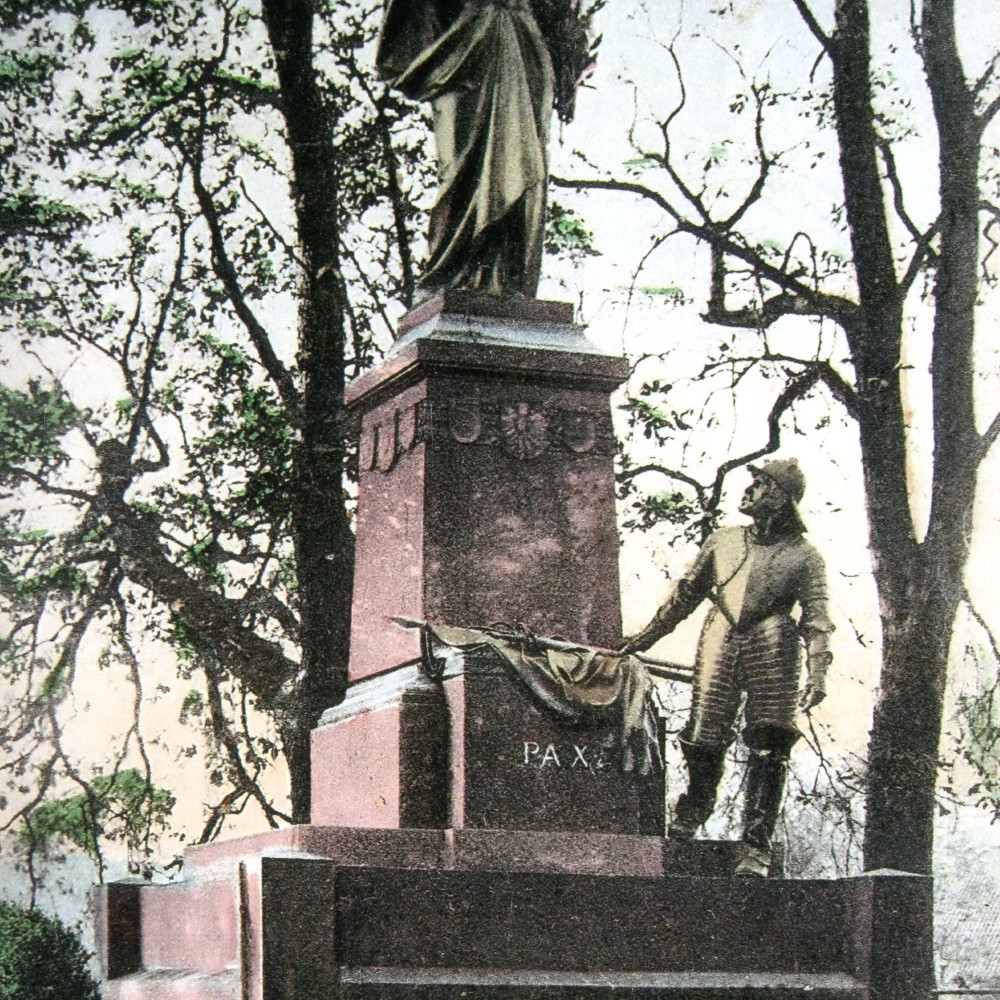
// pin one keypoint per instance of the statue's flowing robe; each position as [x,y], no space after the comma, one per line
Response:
[488,74]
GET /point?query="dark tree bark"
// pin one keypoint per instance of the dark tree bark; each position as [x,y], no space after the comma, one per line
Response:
[921,595]
[324,542]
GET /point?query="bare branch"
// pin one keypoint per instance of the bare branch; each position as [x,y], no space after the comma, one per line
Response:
[920,255]
[989,437]
[666,160]
[987,115]
[291,250]
[757,188]
[814,26]
[392,169]
[682,477]
[245,782]
[771,309]
[983,624]
[794,390]
[141,416]
[892,175]
[834,307]
[226,272]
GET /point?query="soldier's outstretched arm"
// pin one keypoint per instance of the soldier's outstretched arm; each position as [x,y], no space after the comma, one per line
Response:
[689,591]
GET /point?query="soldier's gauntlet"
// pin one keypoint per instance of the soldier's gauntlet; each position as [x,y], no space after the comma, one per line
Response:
[818,659]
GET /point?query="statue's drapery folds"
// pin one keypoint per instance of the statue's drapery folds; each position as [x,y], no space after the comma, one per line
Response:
[487,72]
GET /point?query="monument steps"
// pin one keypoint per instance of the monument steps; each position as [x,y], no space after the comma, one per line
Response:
[283,925]
[532,984]
[173,984]
[511,984]
[555,921]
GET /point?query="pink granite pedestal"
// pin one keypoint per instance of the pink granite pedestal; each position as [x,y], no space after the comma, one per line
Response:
[486,489]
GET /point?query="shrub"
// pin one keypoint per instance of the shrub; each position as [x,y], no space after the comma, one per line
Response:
[40,959]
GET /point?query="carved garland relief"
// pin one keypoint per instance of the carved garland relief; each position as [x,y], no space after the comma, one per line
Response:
[522,430]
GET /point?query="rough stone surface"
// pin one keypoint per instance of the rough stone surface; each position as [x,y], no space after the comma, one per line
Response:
[520,768]
[486,494]
[507,763]
[517,914]
[474,307]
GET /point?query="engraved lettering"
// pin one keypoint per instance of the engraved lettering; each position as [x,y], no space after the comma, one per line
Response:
[550,755]
[581,756]
[531,749]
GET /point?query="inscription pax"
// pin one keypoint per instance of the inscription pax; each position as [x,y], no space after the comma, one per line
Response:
[565,756]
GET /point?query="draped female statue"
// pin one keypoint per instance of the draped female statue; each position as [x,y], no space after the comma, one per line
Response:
[492,70]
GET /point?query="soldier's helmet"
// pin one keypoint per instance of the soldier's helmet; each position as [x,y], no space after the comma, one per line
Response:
[786,473]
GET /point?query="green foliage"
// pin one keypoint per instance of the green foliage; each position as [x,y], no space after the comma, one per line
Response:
[979,745]
[671,507]
[566,235]
[673,294]
[41,960]
[150,250]
[122,807]
[32,424]
[26,212]
[655,419]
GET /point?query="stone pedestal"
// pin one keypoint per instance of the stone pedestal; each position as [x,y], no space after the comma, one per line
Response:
[486,494]
[486,486]
[508,763]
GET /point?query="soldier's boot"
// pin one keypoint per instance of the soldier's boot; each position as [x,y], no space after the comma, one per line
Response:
[765,788]
[694,807]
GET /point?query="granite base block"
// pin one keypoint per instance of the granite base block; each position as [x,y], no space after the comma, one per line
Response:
[313,926]
[474,750]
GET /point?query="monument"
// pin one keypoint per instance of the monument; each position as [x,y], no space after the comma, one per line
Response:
[468,837]
[488,806]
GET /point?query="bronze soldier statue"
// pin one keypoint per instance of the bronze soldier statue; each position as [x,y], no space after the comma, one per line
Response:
[492,70]
[753,576]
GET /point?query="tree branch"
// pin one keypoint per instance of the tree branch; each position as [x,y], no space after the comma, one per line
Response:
[765,161]
[226,273]
[814,26]
[392,168]
[892,175]
[629,474]
[259,663]
[987,115]
[983,624]
[989,438]
[794,390]
[837,308]
[141,416]
[920,254]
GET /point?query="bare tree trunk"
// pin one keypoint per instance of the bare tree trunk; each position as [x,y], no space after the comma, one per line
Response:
[903,749]
[919,582]
[919,611]
[324,542]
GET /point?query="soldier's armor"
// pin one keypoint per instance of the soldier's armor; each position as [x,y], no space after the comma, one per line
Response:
[749,641]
